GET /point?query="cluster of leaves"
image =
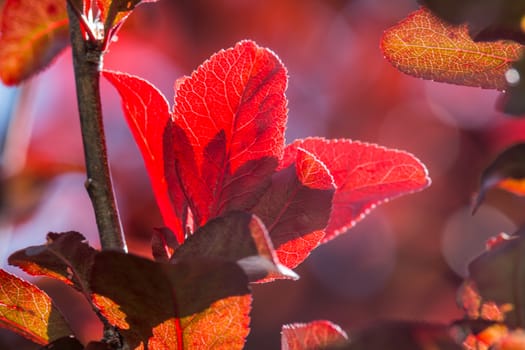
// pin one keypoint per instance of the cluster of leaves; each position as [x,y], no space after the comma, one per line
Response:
[242,207]
[478,43]
[239,205]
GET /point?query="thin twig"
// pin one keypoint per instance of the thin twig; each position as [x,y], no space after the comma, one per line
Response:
[87,61]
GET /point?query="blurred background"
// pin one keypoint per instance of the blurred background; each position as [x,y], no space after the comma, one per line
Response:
[403,261]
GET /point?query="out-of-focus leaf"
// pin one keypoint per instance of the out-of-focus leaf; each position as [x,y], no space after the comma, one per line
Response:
[507,172]
[313,335]
[147,113]
[487,19]
[403,335]
[66,343]
[240,237]
[66,257]
[427,47]
[512,100]
[114,12]
[32,35]
[297,206]
[478,309]
[228,131]
[28,311]
[198,304]
[499,278]
[365,176]
[514,340]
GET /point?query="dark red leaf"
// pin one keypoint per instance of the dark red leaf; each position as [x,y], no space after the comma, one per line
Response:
[311,336]
[98,346]
[28,311]
[228,132]
[487,19]
[498,277]
[163,244]
[506,171]
[66,257]
[32,34]
[365,175]
[66,343]
[512,101]
[296,208]
[189,305]
[239,237]
[147,113]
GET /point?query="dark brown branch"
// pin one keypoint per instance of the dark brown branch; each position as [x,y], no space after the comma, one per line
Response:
[87,61]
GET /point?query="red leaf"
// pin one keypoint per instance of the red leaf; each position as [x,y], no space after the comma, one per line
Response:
[32,35]
[365,175]
[296,208]
[239,237]
[228,131]
[29,311]
[313,335]
[147,113]
[65,256]
[198,304]
[427,47]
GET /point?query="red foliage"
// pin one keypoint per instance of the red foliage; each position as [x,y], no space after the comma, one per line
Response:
[225,141]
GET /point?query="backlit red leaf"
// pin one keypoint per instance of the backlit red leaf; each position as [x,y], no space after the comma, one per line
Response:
[365,175]
[311,336]
[197,304]
[425,46]
[147,113]
[32,34]
[238,237]
[228,131]
[297,206]
[29,311]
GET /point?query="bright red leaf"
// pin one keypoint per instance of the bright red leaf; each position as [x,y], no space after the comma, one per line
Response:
[32,34]
[228,133]
[29,311]
[147,113]
[296,208]
[192,304]
[365,175]
[224,140]
[311,336]
[427,47]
